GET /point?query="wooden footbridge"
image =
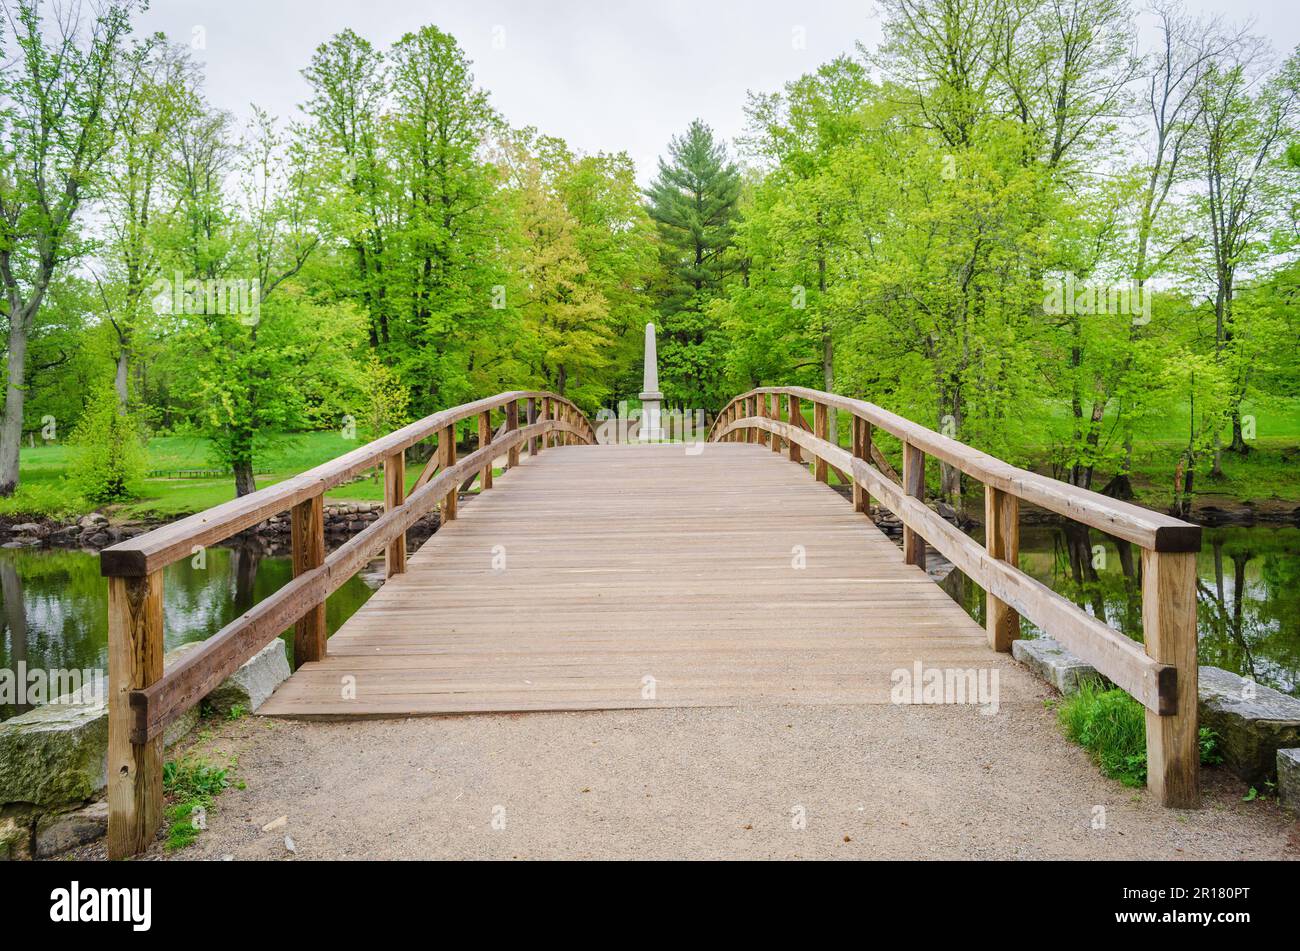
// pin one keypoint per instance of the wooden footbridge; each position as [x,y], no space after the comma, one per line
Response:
[589,577]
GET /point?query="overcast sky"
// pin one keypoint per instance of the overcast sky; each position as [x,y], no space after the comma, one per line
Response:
[612,75]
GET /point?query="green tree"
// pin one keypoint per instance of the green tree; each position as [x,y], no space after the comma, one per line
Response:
[66,80]
[693,202]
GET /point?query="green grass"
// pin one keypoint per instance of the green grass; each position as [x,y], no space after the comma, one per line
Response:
[44,491]
[1111,726]
[194,784]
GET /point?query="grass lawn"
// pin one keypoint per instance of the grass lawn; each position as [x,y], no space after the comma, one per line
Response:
[43,489]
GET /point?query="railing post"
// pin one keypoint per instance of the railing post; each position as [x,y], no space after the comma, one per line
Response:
[1169,632]
[395,495]
[794,409]
[135,661]
[913,485]
[307,533]
[820,430]
[530,414]
[485,439]
[861,450]
[447,452]
[774,412]
[1002,539]
[512,424]
[760,410]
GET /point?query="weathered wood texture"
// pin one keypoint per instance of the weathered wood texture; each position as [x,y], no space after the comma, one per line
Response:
[307,530]
[556,593]
[1169,628]
[1002,539]
[135,660]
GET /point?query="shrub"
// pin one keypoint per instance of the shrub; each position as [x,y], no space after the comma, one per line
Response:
[108,458]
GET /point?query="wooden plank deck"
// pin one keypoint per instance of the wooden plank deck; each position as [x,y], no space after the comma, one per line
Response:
[643,576]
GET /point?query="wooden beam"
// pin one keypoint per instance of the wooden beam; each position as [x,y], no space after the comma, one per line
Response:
[1002,540]
[794,413]
[534,444]
[307,530]
[1169,632]
[820,430]
[512,423]
[913,485]
[447,452]
[485,439]
[774,411]
[135,661]
[395,495]
[861,450]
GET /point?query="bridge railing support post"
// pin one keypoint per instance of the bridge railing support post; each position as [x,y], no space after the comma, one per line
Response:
[395,495]
[534,443]
[512,424]
[447,455]
[913,485]
[821,429]
[135,661]
[774,412]
[1002,540]
[307,535]
[760,410]
[794,410]
[1169,634]
[861,450]
[485,439]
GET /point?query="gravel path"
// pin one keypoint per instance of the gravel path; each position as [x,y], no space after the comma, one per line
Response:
[870,781]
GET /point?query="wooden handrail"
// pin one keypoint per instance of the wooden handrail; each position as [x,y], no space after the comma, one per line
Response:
[1142,527]
[143,699]
[1161,674]
[147,553]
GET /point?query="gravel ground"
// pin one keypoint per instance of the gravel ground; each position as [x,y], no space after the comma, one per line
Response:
[872,781]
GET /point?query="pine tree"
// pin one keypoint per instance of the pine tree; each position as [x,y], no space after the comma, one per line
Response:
[693,203]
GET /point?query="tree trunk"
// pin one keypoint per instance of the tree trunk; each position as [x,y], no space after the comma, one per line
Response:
[1238,440]
[119,380]
[241,460]
[11,429]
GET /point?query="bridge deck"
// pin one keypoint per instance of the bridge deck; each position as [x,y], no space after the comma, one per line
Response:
[623,563]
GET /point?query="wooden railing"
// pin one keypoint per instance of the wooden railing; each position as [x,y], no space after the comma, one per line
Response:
[143,700]
[1162,677]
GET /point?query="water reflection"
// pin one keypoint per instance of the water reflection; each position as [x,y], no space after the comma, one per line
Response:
[1248,591]
[55,606]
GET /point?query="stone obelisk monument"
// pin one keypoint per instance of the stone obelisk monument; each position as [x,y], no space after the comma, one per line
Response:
[650,430]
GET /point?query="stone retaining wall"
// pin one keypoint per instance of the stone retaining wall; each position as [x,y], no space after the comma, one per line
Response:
[53,759]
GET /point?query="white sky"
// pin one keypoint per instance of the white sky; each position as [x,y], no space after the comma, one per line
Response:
[606,75]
